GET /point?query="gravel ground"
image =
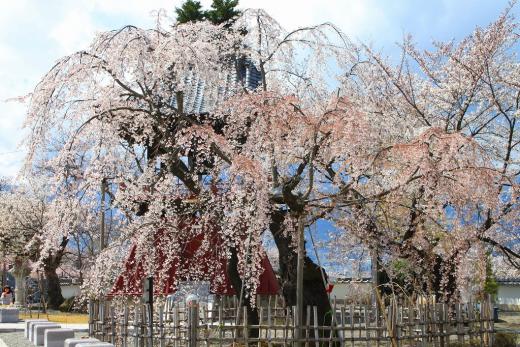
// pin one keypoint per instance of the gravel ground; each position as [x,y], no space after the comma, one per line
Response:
[508,322]
[16,339]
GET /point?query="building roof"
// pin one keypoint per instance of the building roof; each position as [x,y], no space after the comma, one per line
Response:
[69,281]
[200,98]
[353,280]
[508,281]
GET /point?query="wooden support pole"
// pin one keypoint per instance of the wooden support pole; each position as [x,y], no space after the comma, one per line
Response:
[102,216]
[299,280]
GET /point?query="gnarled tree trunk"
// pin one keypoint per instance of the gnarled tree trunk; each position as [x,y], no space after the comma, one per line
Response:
[314,291]
[55,297]
[50,265]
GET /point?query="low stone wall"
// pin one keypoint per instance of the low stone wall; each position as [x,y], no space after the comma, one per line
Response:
[508,307]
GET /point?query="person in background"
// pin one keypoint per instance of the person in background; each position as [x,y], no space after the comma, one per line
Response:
[7,296]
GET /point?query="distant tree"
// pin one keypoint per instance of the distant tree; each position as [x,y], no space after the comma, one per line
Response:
[24,211]
[490,284]
[222,11]
[190,11]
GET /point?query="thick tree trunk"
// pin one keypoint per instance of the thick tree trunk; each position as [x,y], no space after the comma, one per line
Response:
[50,265]
[236,282]
[314,292]
[55,298]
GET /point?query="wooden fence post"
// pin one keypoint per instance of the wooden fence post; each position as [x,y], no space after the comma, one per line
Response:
[307,325]
[352,335]
[442,309]
[245,327]
[136,326]
[193,323]
[482,335]
[125,326]
[90,317]
[422,319]
[270,323]
[112,325]
[161,326]
[377,322]
[332,324]
[176,326]
[315,321]
[471,320]
[295,323]
[398,322]
[460,326]
[491,321]
[392,323]
[101,318]
[286,327]
[142,328]
[220,324]
[261,315]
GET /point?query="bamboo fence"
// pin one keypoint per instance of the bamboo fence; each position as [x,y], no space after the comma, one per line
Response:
[222,324]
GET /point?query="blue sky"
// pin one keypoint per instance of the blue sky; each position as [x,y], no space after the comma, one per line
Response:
[35,33]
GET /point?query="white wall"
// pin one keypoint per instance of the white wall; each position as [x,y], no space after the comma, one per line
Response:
[340,290]
[69,290]
[508,297]
[356,292]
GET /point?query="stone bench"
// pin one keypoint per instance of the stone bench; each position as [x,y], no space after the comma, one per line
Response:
[39,332]
[9,315]
[98,344]
[57,337]
[30,329]
[74,342]
[26,325]
[26,328]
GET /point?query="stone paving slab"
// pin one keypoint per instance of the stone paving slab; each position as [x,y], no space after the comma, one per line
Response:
[16,339]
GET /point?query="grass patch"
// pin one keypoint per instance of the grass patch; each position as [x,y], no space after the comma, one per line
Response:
[58,317]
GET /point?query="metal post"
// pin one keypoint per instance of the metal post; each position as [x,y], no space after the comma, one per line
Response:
[299,279]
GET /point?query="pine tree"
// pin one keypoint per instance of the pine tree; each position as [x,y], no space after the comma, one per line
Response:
[222,11]
[490,284]
[190,11]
